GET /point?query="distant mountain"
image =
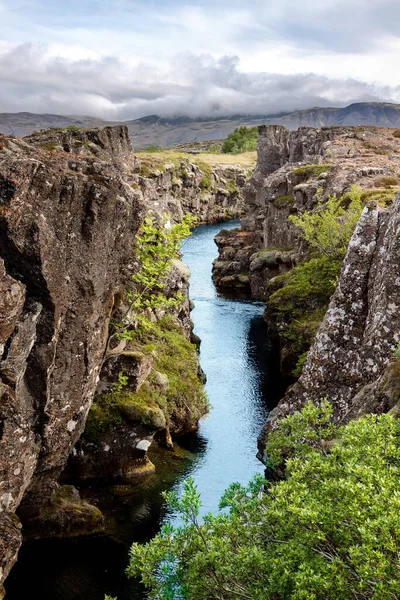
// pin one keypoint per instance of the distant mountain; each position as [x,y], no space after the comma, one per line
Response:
[162,131]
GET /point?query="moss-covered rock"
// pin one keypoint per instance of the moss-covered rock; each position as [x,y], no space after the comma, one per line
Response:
[297,304]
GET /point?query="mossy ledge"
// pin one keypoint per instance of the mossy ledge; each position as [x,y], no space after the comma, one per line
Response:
[123,422]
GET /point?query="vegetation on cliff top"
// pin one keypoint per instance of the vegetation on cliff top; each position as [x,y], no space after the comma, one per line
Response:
[243,139]
[329,529]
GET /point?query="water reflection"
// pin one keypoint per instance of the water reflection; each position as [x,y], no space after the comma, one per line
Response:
[236,357]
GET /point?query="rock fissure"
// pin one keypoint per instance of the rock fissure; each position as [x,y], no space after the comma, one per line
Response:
[71,204]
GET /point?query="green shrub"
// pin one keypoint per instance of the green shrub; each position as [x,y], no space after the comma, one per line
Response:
[329,530]
[396,133]
[243,139]
[330,227]
[205,183]
[307,171]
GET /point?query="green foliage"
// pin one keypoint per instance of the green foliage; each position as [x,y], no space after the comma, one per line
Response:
[329,228]
[396,133]
[307,171]
[243,139]
[214,149]
[329,530]
[301,303]
[205,183]
[154,148]
[157,246]
[73,128]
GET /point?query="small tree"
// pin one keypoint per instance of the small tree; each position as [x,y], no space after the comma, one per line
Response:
[329,228]
[158,245]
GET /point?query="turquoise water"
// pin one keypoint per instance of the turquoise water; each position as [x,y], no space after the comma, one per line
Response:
[236,357]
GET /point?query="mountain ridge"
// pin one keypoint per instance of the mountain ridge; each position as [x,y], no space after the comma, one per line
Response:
[171,131]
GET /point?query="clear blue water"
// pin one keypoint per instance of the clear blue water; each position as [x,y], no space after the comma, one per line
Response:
[236,357]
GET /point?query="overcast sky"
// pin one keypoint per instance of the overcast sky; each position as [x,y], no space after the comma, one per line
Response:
[122,59]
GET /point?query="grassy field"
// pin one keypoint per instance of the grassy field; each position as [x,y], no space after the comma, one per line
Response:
[246,160]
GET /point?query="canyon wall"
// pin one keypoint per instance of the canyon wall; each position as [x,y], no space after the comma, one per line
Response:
[352,361]
[71,203]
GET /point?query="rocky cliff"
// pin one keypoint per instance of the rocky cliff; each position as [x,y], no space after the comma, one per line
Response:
[295,171]
[353,361]
[354,334]
[71,203]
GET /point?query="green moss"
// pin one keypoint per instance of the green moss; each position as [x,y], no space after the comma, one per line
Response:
[299,303]
[307,171]
[180,408]
[206,183]
[185,401]
[232,188]
[282,201]
[384,197]
[50,146]
[206,169]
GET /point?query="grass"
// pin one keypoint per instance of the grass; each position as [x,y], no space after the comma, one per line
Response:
[163,156]
[282,201]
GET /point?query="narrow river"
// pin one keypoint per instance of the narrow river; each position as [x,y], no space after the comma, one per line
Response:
[239,366]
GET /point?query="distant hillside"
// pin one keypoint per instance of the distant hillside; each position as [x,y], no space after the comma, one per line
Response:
[161,131]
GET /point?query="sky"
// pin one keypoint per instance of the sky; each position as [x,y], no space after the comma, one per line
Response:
[124,59]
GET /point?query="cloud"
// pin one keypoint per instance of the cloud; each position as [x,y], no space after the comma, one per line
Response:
[125,58]
[34,79]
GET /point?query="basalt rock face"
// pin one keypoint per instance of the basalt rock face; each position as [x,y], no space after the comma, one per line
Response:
[344,156]
[66,231]
[351,361]
[70,208]
[180,187]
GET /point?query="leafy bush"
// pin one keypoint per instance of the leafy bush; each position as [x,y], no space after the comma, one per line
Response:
[329,530]
[243,139]
[330,227]
[158,244]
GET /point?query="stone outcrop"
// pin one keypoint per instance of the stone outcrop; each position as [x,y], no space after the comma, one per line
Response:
[179,185]
[335,159]
[66,227]
[71,203]
[351,360]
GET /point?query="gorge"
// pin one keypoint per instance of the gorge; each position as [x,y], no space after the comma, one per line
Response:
[71,204]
